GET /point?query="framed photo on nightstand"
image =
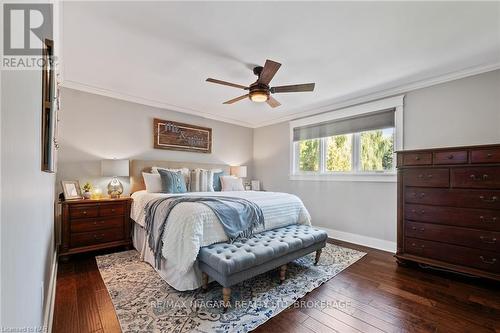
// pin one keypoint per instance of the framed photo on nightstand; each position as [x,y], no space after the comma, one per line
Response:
[255,185]
[71,189]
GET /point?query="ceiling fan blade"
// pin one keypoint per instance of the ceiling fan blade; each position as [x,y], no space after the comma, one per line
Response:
[268,72]
[273,102]
[293,88]
[234,100]
[225,83]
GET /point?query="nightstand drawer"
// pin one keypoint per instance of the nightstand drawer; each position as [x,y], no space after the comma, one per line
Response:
[83,211]
[450,157]
[96,237]
[96,224]
[480,177]
[111,210]
[417,158]
[427,177]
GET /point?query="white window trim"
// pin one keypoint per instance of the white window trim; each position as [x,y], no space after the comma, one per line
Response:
[395,102]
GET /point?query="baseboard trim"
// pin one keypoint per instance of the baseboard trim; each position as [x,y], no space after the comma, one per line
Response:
[376,243]
[51,295]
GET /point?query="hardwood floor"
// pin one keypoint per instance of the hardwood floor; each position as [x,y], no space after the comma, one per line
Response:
[373,295]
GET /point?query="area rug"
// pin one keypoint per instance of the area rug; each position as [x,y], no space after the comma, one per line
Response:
[145,303]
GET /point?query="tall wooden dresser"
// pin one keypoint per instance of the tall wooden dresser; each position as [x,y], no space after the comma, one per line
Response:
[449,209]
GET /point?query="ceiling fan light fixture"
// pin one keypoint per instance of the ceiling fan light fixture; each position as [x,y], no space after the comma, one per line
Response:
[259,96]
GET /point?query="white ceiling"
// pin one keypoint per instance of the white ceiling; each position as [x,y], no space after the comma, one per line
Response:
[160,53]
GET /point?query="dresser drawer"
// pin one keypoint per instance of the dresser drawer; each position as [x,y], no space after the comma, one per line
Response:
[426,177]
[450,157]
[454,254]
[480,177]
[489,199]
[482,219]
[417,158]
[111,210]
[477,239]
[83,211]
[96,237]
[485,155]
[83,225]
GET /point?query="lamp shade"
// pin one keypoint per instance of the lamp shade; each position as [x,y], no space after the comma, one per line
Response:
[115,168]
[239,171]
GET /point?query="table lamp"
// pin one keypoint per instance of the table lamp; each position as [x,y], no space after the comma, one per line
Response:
[115,169]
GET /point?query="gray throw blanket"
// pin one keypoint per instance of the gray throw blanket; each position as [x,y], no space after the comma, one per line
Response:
[239,217]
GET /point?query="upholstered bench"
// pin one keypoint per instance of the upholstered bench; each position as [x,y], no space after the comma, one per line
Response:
[229,264]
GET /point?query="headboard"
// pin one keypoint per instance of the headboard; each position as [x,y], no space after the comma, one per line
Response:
[137,167]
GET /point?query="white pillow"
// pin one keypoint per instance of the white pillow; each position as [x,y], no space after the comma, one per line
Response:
[152,182]
[184,171]
[231,183]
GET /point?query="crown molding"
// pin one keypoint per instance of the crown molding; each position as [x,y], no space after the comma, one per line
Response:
[149,102]
[335,105]
[351,101]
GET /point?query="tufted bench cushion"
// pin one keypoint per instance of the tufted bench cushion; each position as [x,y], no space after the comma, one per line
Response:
[229,264]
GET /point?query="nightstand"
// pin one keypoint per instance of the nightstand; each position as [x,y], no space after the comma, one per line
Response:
[88,225]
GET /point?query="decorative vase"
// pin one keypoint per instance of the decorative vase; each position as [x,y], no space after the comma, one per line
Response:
[87,195]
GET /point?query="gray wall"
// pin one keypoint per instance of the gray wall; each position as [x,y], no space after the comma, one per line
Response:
[94,127]
[461,112]
[27,249]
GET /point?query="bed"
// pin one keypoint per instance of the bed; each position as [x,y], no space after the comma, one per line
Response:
[192,225]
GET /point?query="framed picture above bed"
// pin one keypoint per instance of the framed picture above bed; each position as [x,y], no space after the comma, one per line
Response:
[173,135]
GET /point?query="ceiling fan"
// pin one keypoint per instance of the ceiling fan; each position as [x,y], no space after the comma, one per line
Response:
[260,91]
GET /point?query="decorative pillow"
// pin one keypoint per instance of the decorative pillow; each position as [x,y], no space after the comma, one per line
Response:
[231,183]
[201,180]
[152,182]
[184,171]
[172,182]
[216,184]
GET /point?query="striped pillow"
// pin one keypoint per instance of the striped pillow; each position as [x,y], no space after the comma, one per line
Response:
[201,180]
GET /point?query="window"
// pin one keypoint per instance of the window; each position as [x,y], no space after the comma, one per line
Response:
[351,144]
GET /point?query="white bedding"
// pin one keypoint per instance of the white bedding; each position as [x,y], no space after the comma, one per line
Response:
[192,225]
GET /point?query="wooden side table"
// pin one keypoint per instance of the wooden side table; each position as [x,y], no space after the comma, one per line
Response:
[88,225]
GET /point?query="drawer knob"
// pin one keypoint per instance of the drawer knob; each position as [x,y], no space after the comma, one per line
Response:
[483,177]
[491,220]
[488,240]
[417,158]
[100,236]
[84,212]
[489,155]
[450,157]
[112,210]
[488,261]
[493,198]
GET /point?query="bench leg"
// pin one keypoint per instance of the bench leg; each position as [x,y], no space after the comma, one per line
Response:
[226,297]
[204,281]
[318,254]
[282,273]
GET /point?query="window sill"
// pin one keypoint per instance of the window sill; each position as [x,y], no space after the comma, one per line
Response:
[371,177]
